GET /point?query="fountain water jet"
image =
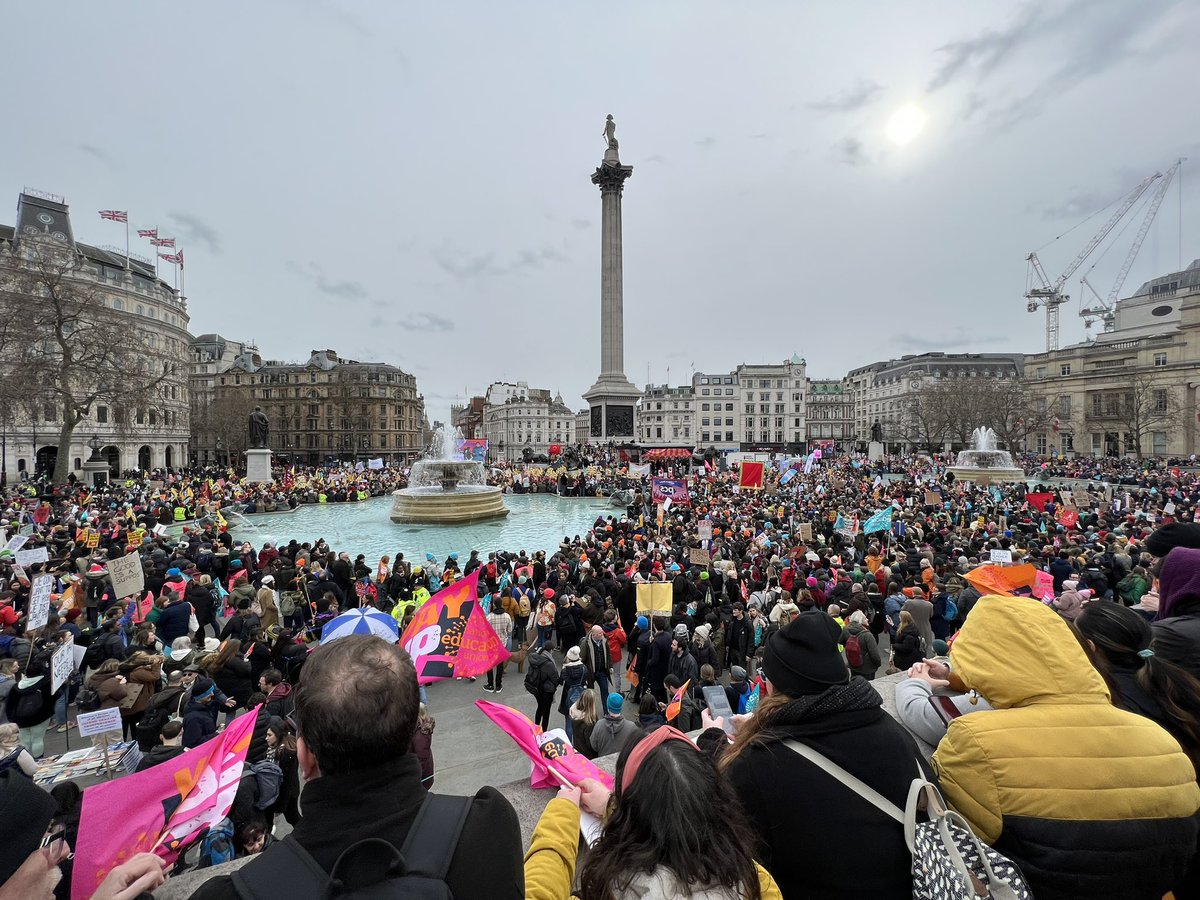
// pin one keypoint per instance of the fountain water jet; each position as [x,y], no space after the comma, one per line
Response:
[984,464]
[445,489]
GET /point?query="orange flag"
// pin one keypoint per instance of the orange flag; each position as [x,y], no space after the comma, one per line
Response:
[1002,579]
[677,701]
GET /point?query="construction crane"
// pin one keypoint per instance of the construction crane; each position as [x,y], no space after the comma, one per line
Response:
[1049,294]
[1105,310]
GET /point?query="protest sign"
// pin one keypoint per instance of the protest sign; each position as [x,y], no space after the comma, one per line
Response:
[698,556]
[127,576]
[806,531]
[1001,556]
[655,599]
[62,664]
[16,542]
[664,489]
[39,602]
[1169,509]
[1082,498]
[704,530]
[933,498]
[99,722]
[32,557]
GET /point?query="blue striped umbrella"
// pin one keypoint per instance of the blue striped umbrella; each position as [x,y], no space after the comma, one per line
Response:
[361,621]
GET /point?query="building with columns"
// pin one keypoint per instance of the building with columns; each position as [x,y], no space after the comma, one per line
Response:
[212,354]
[666,417]
[1134,389]
[518,418]
[829,414]
[154,316]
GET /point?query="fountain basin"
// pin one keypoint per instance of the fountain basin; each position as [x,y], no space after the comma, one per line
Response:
[985,464]
[447,492]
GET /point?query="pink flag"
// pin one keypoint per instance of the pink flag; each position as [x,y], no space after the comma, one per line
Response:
[450,636]
[1043,586]
[567,761]
[162,809]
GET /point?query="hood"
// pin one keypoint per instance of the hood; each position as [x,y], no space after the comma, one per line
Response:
[1015,651]
[280,691]
[1178,581]
[25,683]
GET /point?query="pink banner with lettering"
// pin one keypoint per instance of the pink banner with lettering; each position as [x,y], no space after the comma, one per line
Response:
[567,761]
[163,809]
[450,637]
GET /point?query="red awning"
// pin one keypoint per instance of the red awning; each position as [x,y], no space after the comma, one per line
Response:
[667,453]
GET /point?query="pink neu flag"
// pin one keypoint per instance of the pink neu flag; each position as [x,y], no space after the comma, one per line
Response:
[542,752]
[449,636]
[163,809]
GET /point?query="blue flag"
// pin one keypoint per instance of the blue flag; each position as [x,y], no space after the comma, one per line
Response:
[840,524]
[787,476]
[881,521]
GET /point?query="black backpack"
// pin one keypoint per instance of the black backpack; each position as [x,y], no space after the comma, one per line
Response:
[377,870]
[29,702]
[87,700]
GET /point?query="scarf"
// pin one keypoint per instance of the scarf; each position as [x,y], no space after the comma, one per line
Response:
[857,694]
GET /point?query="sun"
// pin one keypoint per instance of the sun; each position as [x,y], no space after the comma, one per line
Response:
[905,124]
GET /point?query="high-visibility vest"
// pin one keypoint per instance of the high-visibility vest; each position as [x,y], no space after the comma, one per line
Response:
[180,514]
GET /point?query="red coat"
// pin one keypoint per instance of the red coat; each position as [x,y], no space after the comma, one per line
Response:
[616,640]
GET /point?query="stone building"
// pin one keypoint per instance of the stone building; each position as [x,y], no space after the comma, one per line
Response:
[212,354]
[666,417]
[468,418]
[884,391]
[517,418]
[151,312]
[829,414]
[1133,389]
[327,408]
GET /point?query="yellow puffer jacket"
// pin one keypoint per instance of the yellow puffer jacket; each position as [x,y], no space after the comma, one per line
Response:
[550,859]
[1088,799]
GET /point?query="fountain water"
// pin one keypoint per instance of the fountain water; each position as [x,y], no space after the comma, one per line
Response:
[985,464]
[445,489]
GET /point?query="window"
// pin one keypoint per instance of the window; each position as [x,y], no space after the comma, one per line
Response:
[729,437]
[102,414]
[1064,406]
[1068,442]
[704,381]
[1160,400]
[704,437]
[1040,372]
[728,392]
[705,421]
[658,432]
[728,407]
[1064,369]
[729,421]
[1159,442]
[704,392]
[1160,360]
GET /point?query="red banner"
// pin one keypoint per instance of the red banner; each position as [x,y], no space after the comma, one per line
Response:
[1039,501]
[450,636]
[751,476]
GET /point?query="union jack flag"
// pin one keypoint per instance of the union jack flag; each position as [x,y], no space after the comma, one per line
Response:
[163,242]
[180,255]
[148,232]
[114,215]
[176,258]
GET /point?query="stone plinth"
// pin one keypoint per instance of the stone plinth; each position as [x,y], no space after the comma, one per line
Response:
[95,472]
[875,451]
[434,506]
[258,465]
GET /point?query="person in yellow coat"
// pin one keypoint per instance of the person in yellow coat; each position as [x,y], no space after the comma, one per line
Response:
[673,829]
[1088,800]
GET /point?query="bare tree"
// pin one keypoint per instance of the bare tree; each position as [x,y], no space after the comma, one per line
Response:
[226,419]
[1144,405]
[923,421]
[61,348]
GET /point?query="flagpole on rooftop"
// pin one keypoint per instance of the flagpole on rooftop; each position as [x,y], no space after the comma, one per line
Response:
[126,241]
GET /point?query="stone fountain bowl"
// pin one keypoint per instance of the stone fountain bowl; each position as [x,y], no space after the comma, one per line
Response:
[986,467]
[447,492]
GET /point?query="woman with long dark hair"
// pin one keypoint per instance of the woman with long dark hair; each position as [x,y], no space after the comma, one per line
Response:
[672,828]
[1139,680]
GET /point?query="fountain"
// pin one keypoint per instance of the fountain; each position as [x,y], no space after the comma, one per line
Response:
[445,489]
[983,464]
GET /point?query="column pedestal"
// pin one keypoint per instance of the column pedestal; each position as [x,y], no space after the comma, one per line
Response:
[258,465]
[874,451]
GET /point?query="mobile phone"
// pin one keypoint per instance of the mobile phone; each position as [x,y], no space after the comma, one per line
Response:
[718,705]
[945,708]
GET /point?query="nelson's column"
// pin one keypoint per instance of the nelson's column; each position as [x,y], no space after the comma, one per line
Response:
[612,397]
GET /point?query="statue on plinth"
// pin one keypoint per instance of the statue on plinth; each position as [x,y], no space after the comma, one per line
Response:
[259,429]
[877,432]
[610,133]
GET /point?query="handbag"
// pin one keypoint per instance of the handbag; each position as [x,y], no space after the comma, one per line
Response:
[193,622]
[132,693]
[948,861]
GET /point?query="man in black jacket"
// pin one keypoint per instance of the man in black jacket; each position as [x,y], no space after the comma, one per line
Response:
[659,660]
[356,711]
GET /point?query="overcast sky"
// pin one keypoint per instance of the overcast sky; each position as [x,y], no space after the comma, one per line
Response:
[409,183]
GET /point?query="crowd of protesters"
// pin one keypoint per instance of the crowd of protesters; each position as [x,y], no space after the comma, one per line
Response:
[1073,749]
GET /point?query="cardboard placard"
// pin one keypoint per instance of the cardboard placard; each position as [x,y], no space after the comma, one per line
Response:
[704,530]
[127,576]
[698,556]
[32,557]
[933,498]
[16,542]
[99,722]
[1083,500]
[62,664]
[1001,556]
[806,531]
[39,602]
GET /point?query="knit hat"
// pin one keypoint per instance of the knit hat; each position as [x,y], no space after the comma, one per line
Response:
[27,813]
[737,674]
[681,632]
[643,623]
[202,687]
[173,573]
[704,575]
[1174,534]
[573,655]
[803,658]
[615,704]
[940,647]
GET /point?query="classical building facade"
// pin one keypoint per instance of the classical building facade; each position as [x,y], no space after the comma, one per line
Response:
[883,391]
[1132,390]
[517,418]
[327,408]
[468,418]
[150,312]
[666,417]
[829,414]
[212,354]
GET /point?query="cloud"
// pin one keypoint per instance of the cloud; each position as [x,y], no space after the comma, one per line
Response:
[97,153]
[485,265]
[656,158]
[706,143]
[345,289]
[581,223]
[863,93]
[849,151]
[424,321]
[195,230]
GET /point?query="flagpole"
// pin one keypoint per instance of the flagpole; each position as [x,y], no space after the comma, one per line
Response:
[155,253]
[126,240]
[182,275]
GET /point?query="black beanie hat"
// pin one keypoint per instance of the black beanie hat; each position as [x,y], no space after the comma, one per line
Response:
[27,814]
[803,657]
[1174,534]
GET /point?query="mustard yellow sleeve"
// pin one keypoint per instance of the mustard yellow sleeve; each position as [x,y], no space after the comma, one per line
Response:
[967,781]
[766,885]
[550,859]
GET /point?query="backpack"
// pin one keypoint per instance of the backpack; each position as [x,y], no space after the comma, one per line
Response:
[951,612]
[785,617]
[533,680]
[491,571]
[11,761]
[270,779]
[947,858]
[87,700]
[217,846]
[94,655]
[854,654]
[523,607]
[415,871]
[288,600]
[149,727]
[29,702]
